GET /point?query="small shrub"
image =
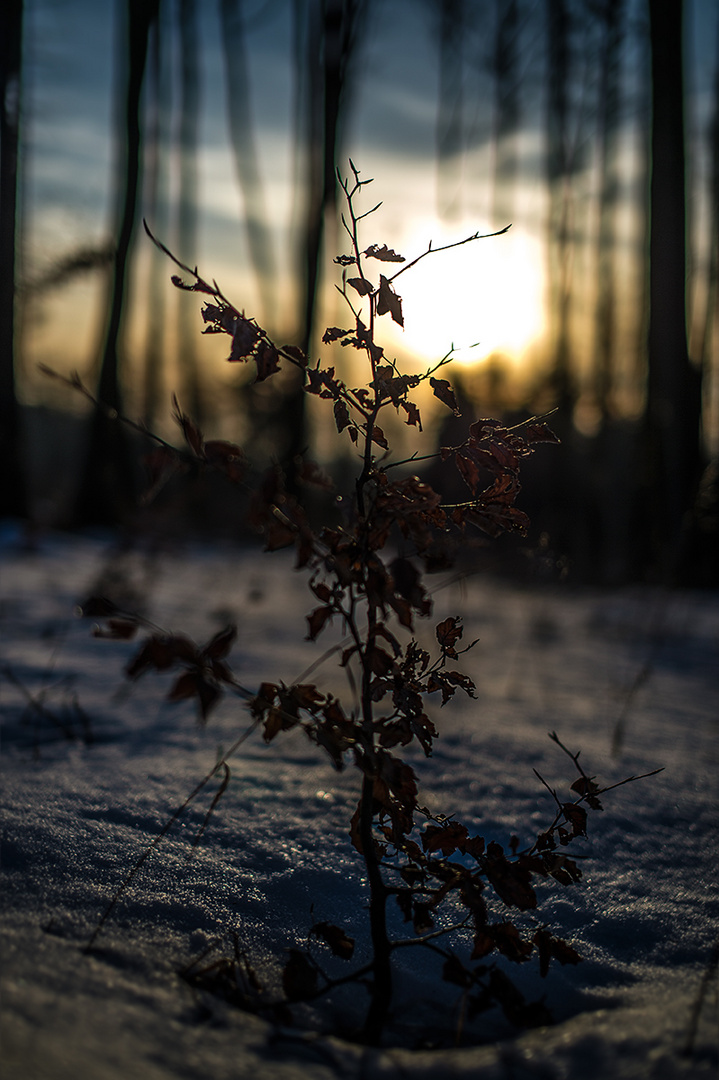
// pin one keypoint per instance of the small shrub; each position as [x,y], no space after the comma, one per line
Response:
[366,575]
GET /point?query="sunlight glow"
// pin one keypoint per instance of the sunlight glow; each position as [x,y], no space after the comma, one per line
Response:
[486,294]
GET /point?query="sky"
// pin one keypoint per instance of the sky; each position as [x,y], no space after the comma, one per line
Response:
[489,295]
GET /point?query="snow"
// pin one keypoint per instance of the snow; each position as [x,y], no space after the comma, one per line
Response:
[629,677]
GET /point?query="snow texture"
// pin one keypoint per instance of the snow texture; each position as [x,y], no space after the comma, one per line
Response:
[93,767]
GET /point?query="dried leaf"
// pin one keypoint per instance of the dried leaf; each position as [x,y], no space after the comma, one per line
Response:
[551,947]
[295,353]
[316,621]
[577,818]
[378,436]
[198,286]
[244,339]
[361,285]
[444,838]
[389,301]
[413,417]
[311,473]
[267,361]
[384,254]
[219,646]
[118,629]
[539,433]
[332,333]
[340,944]
[445,393]
[448,633]
[342,415]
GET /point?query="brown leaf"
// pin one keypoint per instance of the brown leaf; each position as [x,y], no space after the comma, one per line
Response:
[378,436]
[190,430]
[161,652]
[445,393]
[384,254]
[333,333]
[184,687]
[227,458]
[510,943]
[539,433]
[413,417]
[311,473]
[316,622]
[468,471]
[267,360]
[577,818]
[510,881]
[361,285]
[198,286]
[342,415]
[118,629]
[444,838]
[585,786]
[340,944]
[448,632]
[552,947]
[244,339]
[389,301]
[381,663]
[295,353]
[219,646]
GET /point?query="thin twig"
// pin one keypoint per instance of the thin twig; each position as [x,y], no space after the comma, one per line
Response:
[130,876]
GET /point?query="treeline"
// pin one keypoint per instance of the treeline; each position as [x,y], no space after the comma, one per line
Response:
[583,99]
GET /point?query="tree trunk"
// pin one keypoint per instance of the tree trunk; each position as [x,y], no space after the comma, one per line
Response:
[239,109]
[107,487]
[13,496]
[189,375]
[673,386]
[506,110]
[450,111]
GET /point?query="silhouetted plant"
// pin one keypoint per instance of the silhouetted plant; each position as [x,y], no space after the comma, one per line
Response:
[366,575]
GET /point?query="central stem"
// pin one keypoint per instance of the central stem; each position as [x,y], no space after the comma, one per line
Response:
[381,965]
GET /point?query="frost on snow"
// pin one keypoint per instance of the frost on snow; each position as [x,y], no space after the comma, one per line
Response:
[92,770]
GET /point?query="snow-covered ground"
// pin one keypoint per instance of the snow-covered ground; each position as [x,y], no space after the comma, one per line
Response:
[631,678]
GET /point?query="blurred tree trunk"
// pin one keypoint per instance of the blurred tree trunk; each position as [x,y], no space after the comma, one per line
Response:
[325,52]
[13,495]
[239,108]
[450,110]
[505,67]
[107,485]
[189,375]
[155,174]
[559,173]
[616,486]
[331,42]
[711,311]
[609,103]
[672,414]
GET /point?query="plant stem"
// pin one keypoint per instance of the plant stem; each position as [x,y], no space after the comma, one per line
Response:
[381,948]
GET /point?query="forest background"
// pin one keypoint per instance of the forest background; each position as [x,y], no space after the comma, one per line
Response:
[592,126]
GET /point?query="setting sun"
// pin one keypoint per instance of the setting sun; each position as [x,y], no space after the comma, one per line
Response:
[482,298]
